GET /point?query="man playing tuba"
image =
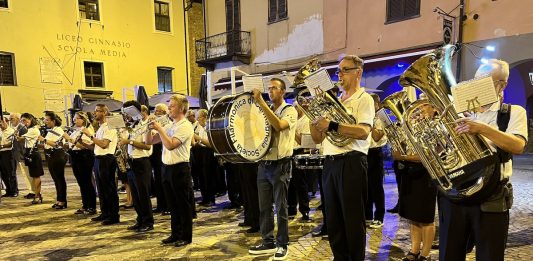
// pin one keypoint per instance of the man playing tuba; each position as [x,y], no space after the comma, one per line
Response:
[344,175]
[485,224]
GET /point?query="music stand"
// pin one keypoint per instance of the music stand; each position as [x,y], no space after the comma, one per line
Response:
[115,121]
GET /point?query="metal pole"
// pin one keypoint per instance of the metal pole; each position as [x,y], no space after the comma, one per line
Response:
[458,75]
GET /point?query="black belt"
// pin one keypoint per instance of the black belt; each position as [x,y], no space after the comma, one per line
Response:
[104,156]
[343,155]
[175,164]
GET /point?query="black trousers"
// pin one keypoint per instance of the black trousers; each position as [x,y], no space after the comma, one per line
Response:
[460,223]
[250,196]
[82,166]
[322,202]
[234,186]
[155,160]
[376,194]
[140,184]
[345,189]
[399,169]
[107,186]
[177,185]
[6,171]
[56,165]
[298,191]
[196,167]
[207,164]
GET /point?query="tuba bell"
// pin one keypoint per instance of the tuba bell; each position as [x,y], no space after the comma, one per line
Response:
[462,166]
[322,104]
[391,114]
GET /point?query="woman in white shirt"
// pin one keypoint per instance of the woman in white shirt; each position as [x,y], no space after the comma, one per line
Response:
[55,157]
[82,160]
[32,158]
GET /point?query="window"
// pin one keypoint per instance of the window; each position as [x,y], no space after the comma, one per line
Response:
[399,10]
[277,10]
[94,74]
[233,15]
[162,16]
[7,69]
[164,79]
[3,4]
[89,9]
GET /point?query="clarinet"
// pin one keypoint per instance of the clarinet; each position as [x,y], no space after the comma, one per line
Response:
[78,138]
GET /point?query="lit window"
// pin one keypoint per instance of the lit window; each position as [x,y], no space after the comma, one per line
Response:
[164,79]
[89,9]
[162,16]
[94,74]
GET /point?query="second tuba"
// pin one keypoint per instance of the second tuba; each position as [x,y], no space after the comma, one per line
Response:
[322,104]
[462,166]
[391,114]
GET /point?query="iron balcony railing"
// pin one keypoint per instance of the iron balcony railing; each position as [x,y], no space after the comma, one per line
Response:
[231,45]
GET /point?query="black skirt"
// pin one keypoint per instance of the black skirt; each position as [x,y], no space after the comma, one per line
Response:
[34,162]
[418,196]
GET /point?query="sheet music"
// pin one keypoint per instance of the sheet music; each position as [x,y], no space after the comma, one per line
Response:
[307,142]
[115,121]
[470,95]
[318,79]
[251,82]
[133,113]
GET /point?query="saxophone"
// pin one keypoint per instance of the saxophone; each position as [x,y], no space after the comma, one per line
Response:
[121,155]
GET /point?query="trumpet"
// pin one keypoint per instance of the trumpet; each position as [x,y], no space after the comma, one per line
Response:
[143,127]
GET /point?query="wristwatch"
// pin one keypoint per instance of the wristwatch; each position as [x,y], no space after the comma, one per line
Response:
[131,142]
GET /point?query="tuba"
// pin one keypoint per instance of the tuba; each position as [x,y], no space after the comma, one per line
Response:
[462,166]
[323,104]
[396,104]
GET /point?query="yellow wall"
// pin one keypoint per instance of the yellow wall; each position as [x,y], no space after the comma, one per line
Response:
[35,29]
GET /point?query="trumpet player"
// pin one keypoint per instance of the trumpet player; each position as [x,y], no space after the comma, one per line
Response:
[140,176]
[105,144]
[344,176]
[504,127]
[82,161]
[55,157]
[176,138]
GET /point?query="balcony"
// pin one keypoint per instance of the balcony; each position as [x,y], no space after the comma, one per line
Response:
[224,47]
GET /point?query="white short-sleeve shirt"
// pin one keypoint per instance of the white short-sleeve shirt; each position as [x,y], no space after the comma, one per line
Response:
[183,131]
[55,134]
[105,133]
[136,153]
[302,127]
[361,106]
[378,125]
[31,136]
[283,142]
[517,126]
[6,137]
[76,135]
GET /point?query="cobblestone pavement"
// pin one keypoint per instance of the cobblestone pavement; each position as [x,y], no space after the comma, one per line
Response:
[37,232]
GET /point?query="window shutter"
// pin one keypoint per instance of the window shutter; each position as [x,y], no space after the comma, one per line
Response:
[282,9]
[395,9]
[412,8]
[229,15]
[237,15]
[272,10]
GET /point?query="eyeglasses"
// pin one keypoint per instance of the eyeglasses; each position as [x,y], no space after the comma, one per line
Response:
[345,70]
[274,88]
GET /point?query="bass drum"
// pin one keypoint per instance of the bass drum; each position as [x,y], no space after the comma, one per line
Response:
[238,129]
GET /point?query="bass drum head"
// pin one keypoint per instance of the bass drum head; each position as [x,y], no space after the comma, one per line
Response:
[245,126]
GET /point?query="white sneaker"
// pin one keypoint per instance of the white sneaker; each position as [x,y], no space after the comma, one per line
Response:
[281,253]
[376,224]
[368,222]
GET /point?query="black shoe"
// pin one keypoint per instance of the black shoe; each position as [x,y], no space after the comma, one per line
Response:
[305,217]
[165,213]
[263,249]
[319,231]
[393,210]
[169,240]
[30,196]
[90,211]
[207,204]
[411,256]
[252,230]
[181,243]
[135,227]
[99,218]
[156,210]
[281,253]
[126,206]
[144,229]
[79,211]
[61,206]
[232,206]
[110,221]
[319,207]
[292,213]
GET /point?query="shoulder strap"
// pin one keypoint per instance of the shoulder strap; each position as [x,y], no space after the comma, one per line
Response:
[504,115]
